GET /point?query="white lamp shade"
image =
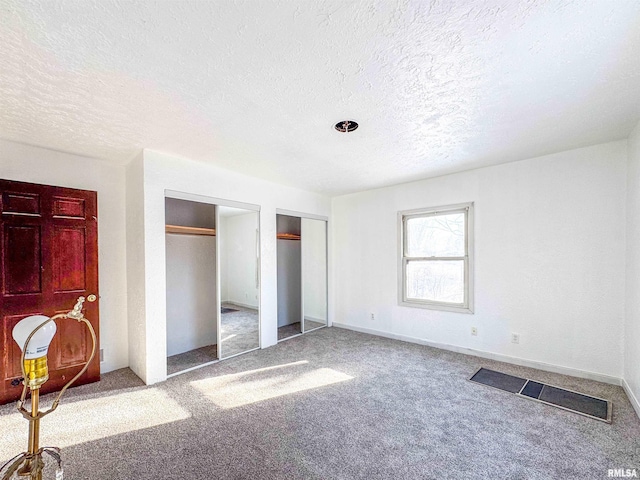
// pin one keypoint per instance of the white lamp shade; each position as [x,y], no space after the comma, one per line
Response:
[39,343]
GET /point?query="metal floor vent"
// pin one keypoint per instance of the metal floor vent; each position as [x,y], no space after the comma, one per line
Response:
[586,405]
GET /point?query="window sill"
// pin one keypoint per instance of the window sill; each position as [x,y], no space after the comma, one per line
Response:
[436,306]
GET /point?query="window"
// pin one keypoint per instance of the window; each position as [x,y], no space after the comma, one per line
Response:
[436,261]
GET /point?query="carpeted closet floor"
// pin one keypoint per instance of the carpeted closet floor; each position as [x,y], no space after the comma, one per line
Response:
[239,334]
[293,329]
[333,404]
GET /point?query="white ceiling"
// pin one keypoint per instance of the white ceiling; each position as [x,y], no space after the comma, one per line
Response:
[256,86]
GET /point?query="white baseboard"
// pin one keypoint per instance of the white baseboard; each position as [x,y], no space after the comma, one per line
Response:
[243,305]
[547,367]
[632,398]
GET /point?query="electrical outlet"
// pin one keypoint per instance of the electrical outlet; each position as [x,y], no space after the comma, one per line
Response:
[515,338]
[102,355]
[474,331]
[372,316]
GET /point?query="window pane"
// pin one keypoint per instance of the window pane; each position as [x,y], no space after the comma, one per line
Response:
[436,280]
[436,236]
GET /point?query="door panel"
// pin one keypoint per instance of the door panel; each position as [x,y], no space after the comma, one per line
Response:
[22,259]
[20,203]
[72,344]
[49,258]
[68,259]
[68,207]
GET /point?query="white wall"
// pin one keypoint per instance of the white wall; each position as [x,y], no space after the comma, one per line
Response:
[191,297]
[289,282]
[238,258]
[136,300]
[549,250]
[632,325]
[38,165]
[165,172]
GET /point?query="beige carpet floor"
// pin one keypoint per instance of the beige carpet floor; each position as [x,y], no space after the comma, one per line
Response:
[333,404]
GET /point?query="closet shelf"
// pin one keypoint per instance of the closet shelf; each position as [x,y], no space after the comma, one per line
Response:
[288,236]
[190,230]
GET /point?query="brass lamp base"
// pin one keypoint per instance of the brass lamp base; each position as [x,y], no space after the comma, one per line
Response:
[33,467]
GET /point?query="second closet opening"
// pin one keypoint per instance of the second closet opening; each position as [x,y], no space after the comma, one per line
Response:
[302,274]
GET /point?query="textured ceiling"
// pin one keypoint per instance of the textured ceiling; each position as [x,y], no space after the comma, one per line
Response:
[255,86]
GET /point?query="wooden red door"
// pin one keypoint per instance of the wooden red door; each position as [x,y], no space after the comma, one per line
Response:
[48,258]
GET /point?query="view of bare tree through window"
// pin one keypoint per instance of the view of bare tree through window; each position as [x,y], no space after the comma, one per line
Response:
[438,281]
[435,250]
[436,236]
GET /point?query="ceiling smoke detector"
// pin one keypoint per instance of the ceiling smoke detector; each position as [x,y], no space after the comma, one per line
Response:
[346,126]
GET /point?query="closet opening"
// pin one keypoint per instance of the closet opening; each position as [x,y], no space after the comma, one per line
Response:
[289,261]
[213,281]
[190,239]
[302,274]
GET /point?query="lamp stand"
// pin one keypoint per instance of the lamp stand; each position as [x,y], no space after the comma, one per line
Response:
[34,436]
[30,464]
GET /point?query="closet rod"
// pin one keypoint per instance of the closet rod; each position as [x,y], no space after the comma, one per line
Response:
[288,236]
[182,230]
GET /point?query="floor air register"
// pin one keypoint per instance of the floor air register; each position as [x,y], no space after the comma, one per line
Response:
[586,405]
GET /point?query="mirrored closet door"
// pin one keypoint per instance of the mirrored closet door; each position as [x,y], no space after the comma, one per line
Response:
[302,274]
[238,244]
[313,240]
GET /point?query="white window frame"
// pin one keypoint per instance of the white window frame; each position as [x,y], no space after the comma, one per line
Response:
[467,305]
